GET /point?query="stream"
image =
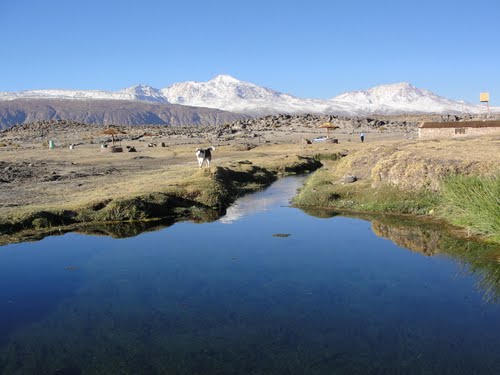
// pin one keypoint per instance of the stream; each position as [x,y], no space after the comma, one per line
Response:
[265,289]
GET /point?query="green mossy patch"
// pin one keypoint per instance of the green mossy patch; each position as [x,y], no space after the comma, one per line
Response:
[471,202]
[201,197]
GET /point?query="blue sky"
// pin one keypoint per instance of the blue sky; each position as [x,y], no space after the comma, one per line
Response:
[315,49]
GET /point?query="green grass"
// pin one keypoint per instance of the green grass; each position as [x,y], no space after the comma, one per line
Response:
[470,202]
[200,197]
[326,191]
[391,199]
[473,202]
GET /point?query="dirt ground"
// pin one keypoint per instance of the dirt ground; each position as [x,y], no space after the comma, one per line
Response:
[34,177]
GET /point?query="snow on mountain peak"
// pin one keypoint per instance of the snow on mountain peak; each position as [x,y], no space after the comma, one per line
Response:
[228,93]
[140,88]
[385,94]
[225,78]
[222,91]
[398,91]
[404,97]
[395,86]
[144,93]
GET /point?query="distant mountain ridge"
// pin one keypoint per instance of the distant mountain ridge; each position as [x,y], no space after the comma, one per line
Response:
[105,111]
[404,97]
[230,94]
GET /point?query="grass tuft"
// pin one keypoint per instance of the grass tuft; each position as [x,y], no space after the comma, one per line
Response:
[473,202]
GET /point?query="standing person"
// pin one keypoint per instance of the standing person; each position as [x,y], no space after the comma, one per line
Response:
[362,136]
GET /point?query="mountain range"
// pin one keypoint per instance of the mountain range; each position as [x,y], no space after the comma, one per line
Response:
[109,112]
[229,94]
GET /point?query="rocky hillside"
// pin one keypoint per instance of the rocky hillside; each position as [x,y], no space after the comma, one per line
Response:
[100,112]
[390,123]
[275,128]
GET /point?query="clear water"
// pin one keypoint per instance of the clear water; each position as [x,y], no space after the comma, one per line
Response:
[228,297]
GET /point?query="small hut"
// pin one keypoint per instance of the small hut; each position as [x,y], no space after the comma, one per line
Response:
[455,129]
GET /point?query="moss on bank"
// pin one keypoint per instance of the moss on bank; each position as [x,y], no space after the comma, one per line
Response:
[324,190]
[469,202]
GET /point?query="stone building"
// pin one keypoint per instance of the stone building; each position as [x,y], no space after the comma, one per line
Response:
[458,129]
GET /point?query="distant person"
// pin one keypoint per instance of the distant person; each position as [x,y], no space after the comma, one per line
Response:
[362,136]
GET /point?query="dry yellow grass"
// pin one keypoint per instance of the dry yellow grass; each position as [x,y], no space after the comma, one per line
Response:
[422,164]
[163,182]
[161,169]
[401,177]
[173,171]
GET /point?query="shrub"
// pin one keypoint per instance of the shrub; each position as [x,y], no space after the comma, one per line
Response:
[40,222]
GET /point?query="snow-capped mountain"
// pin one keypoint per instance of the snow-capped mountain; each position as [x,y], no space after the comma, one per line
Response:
[227,93]
[144,93]
[63,94]
[238,96]
[139,92]
[234,95]
[404,97]
[394,93]
[230,94]
[222,88]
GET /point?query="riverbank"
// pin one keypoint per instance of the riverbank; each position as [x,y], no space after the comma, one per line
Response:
[88,187]
[44,190]
[265,264]
[456,181]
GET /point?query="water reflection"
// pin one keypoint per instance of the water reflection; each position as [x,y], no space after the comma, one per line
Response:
[431,239]
[114,230]
[479,259]
[334,297]
[278,194]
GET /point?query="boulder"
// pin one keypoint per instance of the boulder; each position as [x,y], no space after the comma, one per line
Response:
[349,179]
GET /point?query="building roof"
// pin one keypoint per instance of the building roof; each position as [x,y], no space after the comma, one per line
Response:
[460,124]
